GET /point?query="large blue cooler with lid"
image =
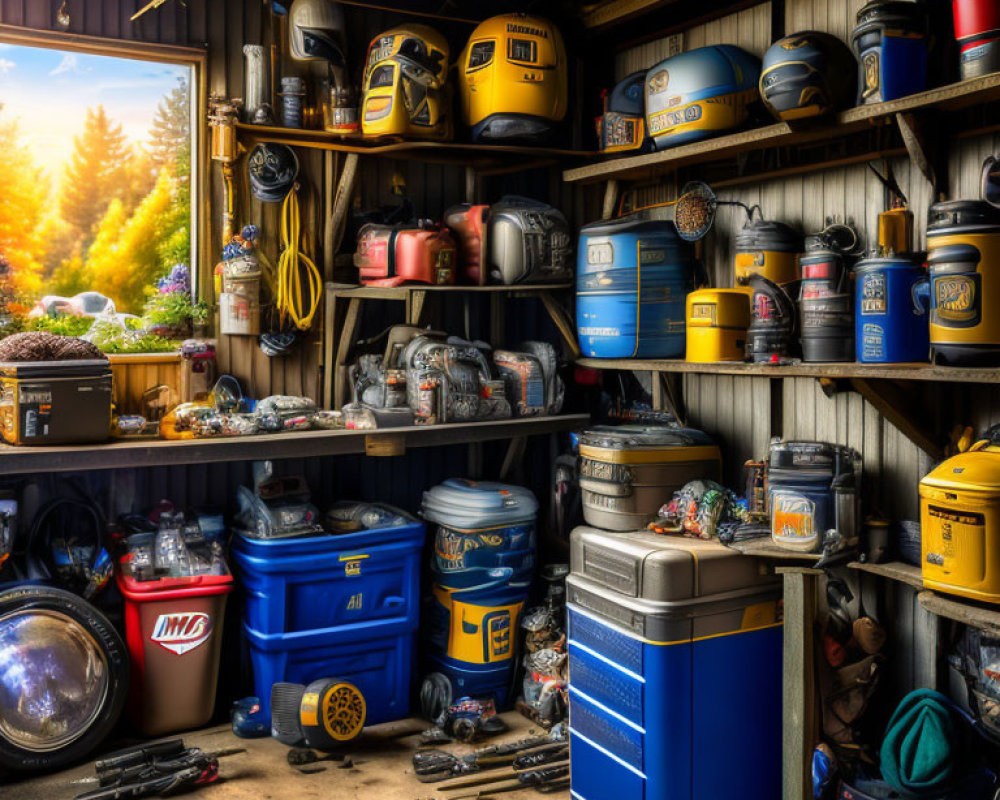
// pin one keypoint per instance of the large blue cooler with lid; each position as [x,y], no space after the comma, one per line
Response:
[675,649]
[341,605]
[482,566]
[632,280]
[892,301]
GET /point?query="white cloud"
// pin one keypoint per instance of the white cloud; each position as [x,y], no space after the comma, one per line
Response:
[68,65]
[6,65]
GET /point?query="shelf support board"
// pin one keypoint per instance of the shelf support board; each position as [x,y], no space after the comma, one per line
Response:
[891,403]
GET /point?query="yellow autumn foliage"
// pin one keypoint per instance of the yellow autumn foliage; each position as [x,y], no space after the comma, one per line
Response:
[23,194]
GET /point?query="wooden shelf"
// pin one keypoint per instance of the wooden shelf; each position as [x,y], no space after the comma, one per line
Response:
[764,548]
[952,97]
[984,617]
[301,444]
[481,156]
[401,292]
[892,372]
[894,570]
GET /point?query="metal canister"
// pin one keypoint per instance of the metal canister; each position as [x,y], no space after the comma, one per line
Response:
[771,335]
[770,249]
[891,304]
[963,241]
[977,29]
[890,41]
[825,303]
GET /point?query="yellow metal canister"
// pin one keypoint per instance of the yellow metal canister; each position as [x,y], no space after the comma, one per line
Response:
[770,249]
[960,524]
[717,322]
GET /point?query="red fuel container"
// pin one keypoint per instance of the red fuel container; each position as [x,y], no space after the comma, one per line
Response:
[173,628]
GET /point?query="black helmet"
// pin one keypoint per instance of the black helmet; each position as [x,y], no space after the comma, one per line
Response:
[808,74]
[273,169]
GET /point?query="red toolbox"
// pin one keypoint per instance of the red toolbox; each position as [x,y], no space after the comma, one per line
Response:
[173,628]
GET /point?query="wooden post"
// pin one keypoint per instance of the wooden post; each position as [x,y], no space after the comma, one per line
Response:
[346,336]
[799,731]
[610,199]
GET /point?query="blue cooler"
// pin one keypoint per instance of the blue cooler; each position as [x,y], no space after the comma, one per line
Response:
[891,320]
[337,605]
[482,567]
[675,666]
[633,277]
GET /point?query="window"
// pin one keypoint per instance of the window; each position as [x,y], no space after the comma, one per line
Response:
[97,191]
[522,50]
[481,54]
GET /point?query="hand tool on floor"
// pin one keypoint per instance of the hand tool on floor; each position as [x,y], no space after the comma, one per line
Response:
[539,778]
[161,768]
[521,765]
[435,765]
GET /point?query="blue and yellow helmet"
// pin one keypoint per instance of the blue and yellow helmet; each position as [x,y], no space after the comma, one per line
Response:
[808,74]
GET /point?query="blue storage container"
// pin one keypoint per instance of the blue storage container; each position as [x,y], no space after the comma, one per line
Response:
[633,277]
[675,649]
[320,582]
[377,656]
[891,44]
[891,320]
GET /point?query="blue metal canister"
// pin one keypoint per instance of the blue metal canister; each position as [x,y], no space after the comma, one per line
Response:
[632,279]
[890,311]
[890,41]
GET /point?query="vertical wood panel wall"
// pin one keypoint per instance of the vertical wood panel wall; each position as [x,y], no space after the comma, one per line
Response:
[737,409]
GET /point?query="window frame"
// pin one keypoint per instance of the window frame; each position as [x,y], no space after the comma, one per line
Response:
[194,57]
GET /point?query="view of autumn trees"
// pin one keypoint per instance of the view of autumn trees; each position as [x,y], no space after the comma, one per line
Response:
[118,219]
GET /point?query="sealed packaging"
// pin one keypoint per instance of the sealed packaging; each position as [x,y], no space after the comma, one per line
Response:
[628,472]
[512,78]
[698,93]
[55,402]
[963,240]
[528,242]
[173,627]
[770,249]
[813,494]
[656,627]
[717,322]
[622,126]
[391,255]
[960,524]
[891,311]
[890,41]
[632,278]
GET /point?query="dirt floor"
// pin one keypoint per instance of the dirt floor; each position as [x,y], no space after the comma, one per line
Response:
[380,769]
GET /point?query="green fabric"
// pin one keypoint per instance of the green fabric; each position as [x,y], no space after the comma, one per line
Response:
[918,755]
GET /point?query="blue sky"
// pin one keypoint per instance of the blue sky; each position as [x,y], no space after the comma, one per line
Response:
[49,91]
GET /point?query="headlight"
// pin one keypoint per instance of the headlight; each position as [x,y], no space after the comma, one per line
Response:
[53,680]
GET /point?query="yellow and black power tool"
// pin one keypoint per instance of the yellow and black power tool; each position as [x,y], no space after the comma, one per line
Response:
[327,713]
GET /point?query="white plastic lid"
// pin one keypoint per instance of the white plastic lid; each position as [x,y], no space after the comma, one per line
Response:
[468,505]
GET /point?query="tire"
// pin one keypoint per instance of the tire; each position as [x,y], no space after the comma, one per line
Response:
[13,757]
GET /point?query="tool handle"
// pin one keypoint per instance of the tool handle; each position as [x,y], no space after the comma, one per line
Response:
[136,756]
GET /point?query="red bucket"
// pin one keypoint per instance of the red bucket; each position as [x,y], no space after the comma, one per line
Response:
[173,628]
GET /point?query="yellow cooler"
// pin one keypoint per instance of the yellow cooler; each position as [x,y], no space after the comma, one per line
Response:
[960,524]
[717,322]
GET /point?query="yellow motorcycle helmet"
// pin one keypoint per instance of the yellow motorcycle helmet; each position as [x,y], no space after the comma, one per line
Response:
[513,79]
[405,84]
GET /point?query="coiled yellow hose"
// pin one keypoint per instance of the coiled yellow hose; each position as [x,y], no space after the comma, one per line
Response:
[292,263]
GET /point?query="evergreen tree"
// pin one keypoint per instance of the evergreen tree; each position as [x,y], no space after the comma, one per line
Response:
[170,133]
[24,192]
[96,173]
